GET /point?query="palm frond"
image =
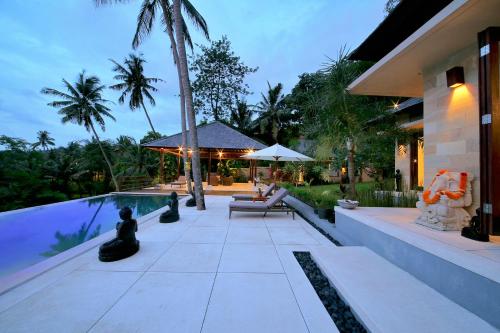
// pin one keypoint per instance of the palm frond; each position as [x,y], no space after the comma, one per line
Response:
[196,18]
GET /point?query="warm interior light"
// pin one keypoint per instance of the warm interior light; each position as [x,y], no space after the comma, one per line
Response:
[455,77]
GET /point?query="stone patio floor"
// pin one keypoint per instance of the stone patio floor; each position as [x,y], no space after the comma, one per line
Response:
[203,274]
[207,273]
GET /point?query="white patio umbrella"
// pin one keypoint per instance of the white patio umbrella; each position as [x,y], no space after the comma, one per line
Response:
[278,153]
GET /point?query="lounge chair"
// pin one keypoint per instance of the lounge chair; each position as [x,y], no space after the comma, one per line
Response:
[181,181]
[247,197]
[273,204]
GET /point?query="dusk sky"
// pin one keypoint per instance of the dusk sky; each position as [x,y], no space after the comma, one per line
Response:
[44,41]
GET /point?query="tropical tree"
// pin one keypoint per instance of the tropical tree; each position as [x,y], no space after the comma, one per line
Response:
[134,83]
[241,117]
[43,140]
[186,87]
[271,109]
[83,105]
[348,125]
[145,23]
[390,5]
[219,80]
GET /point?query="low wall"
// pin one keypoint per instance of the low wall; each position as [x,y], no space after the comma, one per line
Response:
[473,291]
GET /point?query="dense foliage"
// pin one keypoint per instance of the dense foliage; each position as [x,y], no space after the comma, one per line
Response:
[30,177]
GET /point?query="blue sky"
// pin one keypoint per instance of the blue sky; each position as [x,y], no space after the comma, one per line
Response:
[44,41]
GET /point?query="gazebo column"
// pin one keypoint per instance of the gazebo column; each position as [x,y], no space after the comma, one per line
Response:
[178,166]
[209,165]
[250,165]
[162,167]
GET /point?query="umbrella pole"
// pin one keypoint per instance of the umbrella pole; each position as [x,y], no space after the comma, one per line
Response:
[276,169]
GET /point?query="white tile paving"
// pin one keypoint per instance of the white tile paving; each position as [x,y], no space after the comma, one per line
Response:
[160,302]
[185,257]
[253,303]
[250,258]
[205,273]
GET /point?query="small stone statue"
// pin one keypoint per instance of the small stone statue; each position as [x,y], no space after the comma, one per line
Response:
[191,202]
[473,231]
[398,180]
[171,215]
[125,244]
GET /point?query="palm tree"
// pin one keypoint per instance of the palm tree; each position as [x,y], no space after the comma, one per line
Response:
[44,140]
[271,109]
[145,22]
[134,83]
[83,105]
[241,117]
[186,87]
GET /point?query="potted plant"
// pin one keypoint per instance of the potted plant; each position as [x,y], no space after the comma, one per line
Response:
[224,171]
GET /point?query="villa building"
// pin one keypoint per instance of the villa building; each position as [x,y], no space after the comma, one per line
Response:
[441,59]
[445,56]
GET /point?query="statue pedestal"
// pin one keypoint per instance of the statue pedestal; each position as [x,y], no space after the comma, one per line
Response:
[456,219]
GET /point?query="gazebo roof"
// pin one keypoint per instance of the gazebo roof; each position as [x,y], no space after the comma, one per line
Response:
[214,135]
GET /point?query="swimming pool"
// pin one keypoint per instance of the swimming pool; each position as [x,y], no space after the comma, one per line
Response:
[29,236]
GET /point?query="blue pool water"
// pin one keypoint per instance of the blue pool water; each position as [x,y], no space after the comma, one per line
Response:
[30,236]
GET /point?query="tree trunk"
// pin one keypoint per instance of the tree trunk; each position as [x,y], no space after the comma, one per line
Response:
[195,157]
[351,173]
[117,188]
[149,119]
[175,54]
[275,131]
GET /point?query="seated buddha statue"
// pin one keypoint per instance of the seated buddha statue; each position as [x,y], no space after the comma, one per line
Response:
[443,204]
[171,215]
[191,202]
[125,244]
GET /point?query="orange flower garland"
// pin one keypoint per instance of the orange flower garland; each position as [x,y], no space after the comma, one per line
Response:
[452,195]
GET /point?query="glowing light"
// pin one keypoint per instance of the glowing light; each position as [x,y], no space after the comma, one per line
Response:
[402,150]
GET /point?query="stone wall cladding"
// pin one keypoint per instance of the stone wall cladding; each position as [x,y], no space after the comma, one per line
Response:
[451,119]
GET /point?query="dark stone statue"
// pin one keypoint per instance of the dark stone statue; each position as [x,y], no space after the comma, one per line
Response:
[398,180]
[171,215]
[125,244]
[473,231]
[191,202]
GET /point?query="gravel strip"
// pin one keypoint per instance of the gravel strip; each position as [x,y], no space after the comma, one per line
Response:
[339,311]
[321,231]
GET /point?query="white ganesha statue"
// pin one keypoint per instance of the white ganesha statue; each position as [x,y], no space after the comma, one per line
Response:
[443,203]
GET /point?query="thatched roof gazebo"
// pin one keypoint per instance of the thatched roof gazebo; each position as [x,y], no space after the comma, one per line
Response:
[215,140]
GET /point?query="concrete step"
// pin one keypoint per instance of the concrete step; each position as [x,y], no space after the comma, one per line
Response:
[387,299]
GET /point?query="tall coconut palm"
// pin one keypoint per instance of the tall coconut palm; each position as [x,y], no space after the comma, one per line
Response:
[186,87]
[271,109]
[43,140]
[145,23]
[83,105]
[241,117]
[132,82]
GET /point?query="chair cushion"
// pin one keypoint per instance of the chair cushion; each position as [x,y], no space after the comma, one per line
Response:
[247,205]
